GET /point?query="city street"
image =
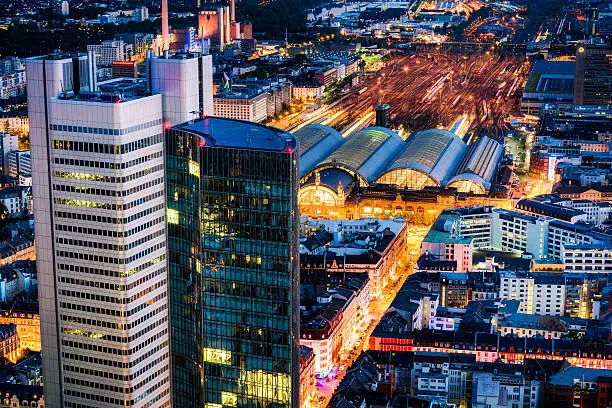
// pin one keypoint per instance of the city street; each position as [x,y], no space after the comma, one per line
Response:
[378,306]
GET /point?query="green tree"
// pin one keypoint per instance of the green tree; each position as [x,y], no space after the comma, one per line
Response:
[3,212]
[299,59]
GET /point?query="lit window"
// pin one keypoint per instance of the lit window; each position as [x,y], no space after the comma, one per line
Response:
[229,399]
[217,356]
[173,216]
[194,168]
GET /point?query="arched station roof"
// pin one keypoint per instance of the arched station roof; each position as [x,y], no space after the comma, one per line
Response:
[316,143]
[365,154]
[432,153]
[478,166]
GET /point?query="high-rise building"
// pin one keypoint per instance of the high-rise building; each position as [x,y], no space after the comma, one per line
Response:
[141,14]
[19,162]
[382,114]
[98,183]
[233,264]
[64,8]
[110,51]
[208,24]
[185,82]
[47,76]
[593,78]
[10,143]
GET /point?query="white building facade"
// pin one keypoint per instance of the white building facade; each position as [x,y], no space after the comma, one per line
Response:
[111,50]
[251,108]
[541,294]
[98,180]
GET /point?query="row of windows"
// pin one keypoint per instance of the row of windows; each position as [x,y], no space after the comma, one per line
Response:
[109,220]
[112,299]
[69,404]
[108,193]
[112,286]
[107,165]
[606,254]
[103,148]
[111,350]
[108,206]
[106,272]
[109,247]
[106,179]
[158,397]
[122,339]
[116,401]
[113,376]
[111,363]
[112,388]
[108,259]
[105,131]
[112,312]
[107,233]
[589,261]
[109,325]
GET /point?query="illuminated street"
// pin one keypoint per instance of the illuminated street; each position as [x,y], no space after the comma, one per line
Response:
[378,306]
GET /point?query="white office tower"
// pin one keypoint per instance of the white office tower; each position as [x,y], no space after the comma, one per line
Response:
[98,185]
[64,8]
[185,83]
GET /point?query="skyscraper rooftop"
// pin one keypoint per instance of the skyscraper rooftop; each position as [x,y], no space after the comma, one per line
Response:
[223,132]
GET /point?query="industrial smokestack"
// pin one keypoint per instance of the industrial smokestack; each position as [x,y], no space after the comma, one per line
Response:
[165,30]
[92,75]
[227,26]
[221,24]
[232,11]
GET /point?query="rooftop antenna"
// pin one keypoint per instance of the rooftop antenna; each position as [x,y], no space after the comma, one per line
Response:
[286,43]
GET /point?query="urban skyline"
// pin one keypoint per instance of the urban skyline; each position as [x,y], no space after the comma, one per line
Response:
[299,203]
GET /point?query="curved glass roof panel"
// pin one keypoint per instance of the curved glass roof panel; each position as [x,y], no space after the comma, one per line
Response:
[368,152]
[316,143]
[434,152]
[481,160]
[311,136]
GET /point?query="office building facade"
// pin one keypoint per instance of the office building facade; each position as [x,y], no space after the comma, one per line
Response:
[233,264]
[110,51]
[593,83]
[185,82]
[98,181]
[500,229]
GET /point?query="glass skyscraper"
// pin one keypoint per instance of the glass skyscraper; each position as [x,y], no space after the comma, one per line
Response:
[233,264]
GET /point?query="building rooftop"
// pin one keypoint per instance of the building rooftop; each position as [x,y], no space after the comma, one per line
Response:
[113,91]
[535,322]
[435,235]
[479,163]
[316,143]
[234,133]
[366,152]
[549,210]
[551,77]
[440,233]
[571,375]
[593,247]
[433,152]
